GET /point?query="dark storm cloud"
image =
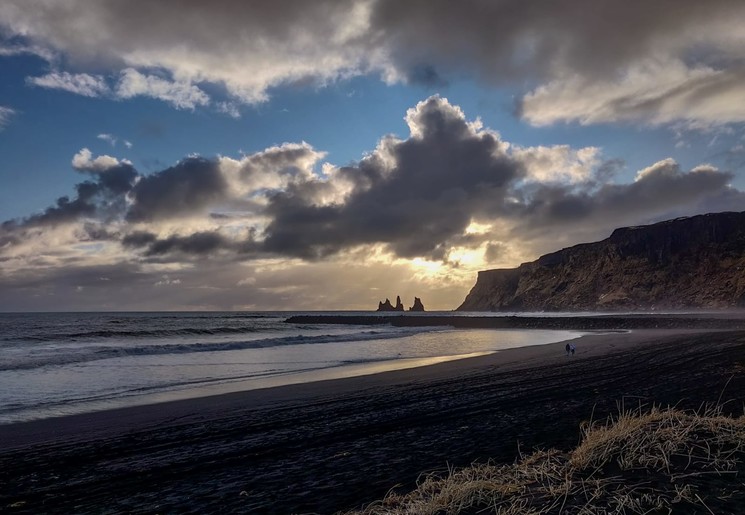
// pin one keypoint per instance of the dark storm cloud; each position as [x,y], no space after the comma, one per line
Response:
[119,191]
[440,178]
[661,191]
[197,245]
[65,210]
[139,239]
[512,39]
[188,187]
[118,179]
[102,196]
[417,196]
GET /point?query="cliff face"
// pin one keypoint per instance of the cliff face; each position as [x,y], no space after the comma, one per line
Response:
[695,262]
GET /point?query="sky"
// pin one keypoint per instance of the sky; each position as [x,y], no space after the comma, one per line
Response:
[326,155]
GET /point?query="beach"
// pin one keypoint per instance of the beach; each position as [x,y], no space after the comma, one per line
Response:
[333,445]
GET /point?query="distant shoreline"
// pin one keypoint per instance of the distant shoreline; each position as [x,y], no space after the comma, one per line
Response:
[725,320]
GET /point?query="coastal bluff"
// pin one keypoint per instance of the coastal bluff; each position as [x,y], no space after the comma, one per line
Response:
[691,262]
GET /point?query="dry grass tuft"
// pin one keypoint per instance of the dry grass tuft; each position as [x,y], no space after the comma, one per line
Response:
[658,461]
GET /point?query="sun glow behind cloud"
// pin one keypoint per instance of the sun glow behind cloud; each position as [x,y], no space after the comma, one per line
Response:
[438,206]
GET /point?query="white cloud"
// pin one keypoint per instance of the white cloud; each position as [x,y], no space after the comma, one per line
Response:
[180,94]
[245,47]
[78,83]
[113,140]
[83,161]
[654,92]
[110,138]
[6,113]
[558,163]
[166,280]
[271,169]
[19,49]
[229,108]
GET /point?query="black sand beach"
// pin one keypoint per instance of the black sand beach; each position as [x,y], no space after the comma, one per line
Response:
[335,445]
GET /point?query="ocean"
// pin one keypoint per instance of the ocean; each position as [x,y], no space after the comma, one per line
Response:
[54,364]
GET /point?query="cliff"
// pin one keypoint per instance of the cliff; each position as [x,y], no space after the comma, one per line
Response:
[693,262]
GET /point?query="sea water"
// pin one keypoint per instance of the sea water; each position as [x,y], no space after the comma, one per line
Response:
[54,364]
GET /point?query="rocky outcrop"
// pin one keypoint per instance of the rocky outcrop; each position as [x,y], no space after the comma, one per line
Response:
[418,306]
[693,262]
[386,306]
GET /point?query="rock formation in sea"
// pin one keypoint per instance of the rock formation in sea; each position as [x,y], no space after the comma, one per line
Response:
[692,262]
[418,306]
[386,306]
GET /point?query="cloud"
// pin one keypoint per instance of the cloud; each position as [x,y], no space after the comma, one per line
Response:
[113,140]
[660,191]
[558,163]
[196,244]
[433,205]
[101,197]
[657,93]
[78,83]
[165,280]
[189,187]
[180,94]
[110,138]
[229,108]
[676,60]
[247,47]
[83,161]
[629,61]
[271,169]
[130,83]
[9,50]
[412,195]
[6,113]
[419,197]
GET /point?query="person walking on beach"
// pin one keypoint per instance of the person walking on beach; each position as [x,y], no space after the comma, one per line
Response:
[572,348]
[568,349]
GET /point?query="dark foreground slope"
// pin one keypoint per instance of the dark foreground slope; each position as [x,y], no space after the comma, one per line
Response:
[340,448]
[695,262]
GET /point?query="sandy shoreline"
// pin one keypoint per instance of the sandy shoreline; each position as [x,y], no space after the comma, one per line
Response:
[91,425]
[331,445]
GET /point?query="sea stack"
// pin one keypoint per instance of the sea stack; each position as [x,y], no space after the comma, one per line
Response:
[418,306]
[399,304]
[387,306]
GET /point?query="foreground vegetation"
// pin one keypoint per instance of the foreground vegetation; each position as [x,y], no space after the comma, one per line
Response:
[658,461]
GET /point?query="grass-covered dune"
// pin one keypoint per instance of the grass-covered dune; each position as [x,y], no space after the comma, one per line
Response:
[659,461]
